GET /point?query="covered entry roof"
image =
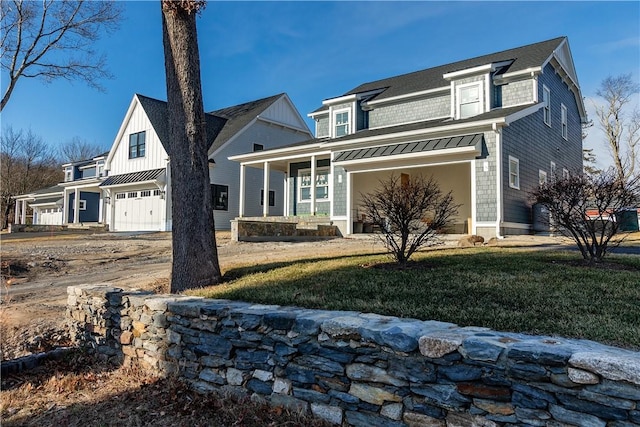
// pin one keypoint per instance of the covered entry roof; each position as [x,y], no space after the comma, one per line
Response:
[474,140]
[130,178]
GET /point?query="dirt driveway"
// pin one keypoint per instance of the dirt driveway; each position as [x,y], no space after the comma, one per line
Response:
[37,268]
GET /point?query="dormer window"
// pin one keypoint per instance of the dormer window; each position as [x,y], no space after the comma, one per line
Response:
[100,168]
[341,123]
[68,174]
[469,100]
[136,145]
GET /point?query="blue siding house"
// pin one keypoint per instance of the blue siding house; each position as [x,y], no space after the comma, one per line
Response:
[489,129]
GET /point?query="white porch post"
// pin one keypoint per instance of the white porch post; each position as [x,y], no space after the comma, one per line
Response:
[313,185]
[285,196]
[76,207]
[65,207]
[242,178]
[265,191]
[23,212]
[34,219]
[349,209]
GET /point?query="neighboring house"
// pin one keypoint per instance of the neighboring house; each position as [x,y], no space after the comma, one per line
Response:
[129,187]
[489,129]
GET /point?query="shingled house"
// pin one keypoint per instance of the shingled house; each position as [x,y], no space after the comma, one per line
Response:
[488,128]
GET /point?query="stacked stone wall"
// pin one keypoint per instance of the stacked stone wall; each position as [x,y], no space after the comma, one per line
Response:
[361,369]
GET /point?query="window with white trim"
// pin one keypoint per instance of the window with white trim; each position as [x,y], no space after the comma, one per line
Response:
[132,195]
[68,174]
[322,184]
[341,123]
[546,110]
[542,177]
[82,205]
[565,173]
[565,133]
[157,192]
[552,169]
[145,193]
[120,196]
[469,100]
[514,173]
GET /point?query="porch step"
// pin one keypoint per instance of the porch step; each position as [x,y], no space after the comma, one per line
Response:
[87,226]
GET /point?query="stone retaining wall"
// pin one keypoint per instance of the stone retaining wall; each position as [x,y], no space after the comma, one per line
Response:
[269,230]
[360,369]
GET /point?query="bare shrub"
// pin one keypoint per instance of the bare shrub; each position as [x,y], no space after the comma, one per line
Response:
[410,212]
[585,207]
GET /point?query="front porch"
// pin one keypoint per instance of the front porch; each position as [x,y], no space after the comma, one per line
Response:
[283,228]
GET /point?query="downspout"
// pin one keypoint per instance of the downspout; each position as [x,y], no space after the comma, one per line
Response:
[499,204]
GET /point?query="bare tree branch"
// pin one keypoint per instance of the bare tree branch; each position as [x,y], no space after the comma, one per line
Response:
[63,32]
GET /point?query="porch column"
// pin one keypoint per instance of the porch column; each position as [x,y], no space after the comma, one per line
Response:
[241,204]
[34,219]
[23,212]
[65,207]
[313,185]
[76,207]
[265,191]
[285,196]
[349,209]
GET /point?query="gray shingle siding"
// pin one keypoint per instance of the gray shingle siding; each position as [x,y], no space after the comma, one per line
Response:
[412,111]
[536,145]
[339,191]
[296,208]
[516,93]
[486,181]
[322,127]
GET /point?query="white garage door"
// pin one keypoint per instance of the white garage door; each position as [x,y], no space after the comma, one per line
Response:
[138,211]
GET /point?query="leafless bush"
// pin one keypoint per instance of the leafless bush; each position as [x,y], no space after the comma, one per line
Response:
[409,211]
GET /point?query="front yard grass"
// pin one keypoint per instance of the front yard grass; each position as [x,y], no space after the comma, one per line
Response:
[529,291]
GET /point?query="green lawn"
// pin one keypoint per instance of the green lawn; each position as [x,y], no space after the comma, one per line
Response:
[540,292]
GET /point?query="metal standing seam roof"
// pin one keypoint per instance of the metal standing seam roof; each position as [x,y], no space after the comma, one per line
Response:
[410,147]
[130,178]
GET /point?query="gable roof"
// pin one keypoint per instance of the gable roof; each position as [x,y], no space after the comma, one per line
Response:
[523,58]
[222,124]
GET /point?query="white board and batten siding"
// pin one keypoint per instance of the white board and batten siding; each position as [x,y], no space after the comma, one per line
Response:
[155,155]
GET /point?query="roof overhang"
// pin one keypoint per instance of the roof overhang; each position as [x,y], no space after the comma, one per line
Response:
[481,69]
[153,176]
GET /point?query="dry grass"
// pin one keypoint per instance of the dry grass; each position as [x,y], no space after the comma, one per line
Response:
[81,392]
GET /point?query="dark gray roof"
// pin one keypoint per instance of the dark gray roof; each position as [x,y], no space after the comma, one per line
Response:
[365,133]
[221,124]
[129,178]
[410,147]
[46,200]
[523,57]
[49,190]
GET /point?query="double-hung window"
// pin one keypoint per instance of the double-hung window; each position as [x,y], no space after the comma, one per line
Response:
[546,109]
[469,100]
[341,123]
[68,174]
[136,145]
[542,177]
[514,173]
[565,133]
[322,184]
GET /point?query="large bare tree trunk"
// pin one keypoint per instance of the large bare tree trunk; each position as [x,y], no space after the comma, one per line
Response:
[195,256]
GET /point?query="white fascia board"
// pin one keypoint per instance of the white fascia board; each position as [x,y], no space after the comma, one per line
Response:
[523,113]
[276,154]
[514,75]
[89,182]
[285,158]
[318,113]
[413,156]
[284,125]
[340,99]
[460,128]
[419,94]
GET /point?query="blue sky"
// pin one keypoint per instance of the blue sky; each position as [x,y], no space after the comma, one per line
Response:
[317,50]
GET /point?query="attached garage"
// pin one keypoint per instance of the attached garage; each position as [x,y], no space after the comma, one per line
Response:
[139,210]
[136,201]
[49,216]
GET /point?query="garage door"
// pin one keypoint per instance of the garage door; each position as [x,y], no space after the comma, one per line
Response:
[138,211]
